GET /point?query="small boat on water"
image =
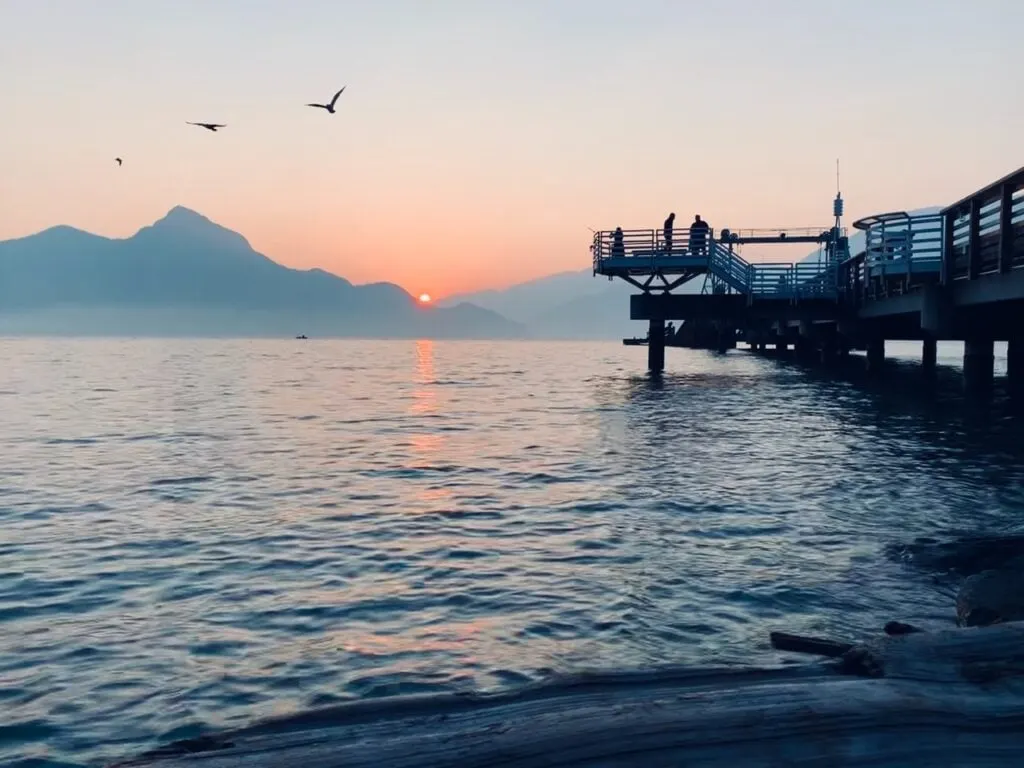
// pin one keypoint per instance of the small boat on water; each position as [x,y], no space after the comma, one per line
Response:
[637,341]
[302,336]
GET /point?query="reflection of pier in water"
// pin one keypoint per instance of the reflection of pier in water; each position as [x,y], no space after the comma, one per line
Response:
[957,274]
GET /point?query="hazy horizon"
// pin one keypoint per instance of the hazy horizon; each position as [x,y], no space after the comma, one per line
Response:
[475,145]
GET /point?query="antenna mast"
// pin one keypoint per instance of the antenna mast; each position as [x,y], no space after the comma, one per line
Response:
[837,205]
[833,249]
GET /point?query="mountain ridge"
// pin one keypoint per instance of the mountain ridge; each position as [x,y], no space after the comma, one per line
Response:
[188,263]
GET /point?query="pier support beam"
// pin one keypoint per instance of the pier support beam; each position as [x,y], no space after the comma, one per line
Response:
[656,347]
[929,353]
[1015,364]
[979,361]
[804,341]
[876,354]
[829,351]
[802,347]
[843,345]
[723,340]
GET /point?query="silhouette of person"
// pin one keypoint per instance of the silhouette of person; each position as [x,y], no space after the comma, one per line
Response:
[618,248]
[669,225]
[699,235]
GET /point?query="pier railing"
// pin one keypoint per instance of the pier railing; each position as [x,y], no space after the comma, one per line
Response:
[638,252]
[899,243]
[641,244]
[984,232]
[729,267]
[793,281]
[980,235]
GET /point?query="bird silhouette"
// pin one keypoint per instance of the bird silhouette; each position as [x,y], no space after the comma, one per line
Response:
[329,107]
[209,126]
[117,160]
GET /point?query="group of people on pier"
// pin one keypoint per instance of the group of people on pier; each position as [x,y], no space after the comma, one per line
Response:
[698,237]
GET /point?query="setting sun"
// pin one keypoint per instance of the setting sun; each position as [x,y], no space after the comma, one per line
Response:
[424,298]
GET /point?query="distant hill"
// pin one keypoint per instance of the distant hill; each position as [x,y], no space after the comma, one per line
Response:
[185,274]
[580,305]
[573,305]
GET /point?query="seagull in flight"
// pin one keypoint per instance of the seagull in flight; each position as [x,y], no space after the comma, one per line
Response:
[329,107]
[209,126]
[118,161]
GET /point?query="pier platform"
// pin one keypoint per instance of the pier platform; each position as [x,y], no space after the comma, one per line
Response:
[951,274]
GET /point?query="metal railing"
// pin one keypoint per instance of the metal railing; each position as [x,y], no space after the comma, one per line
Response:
[793,281]
[647,250]
[979,235]
[899,243]
[777,235]
[729,267]
[643,244]
[985,231]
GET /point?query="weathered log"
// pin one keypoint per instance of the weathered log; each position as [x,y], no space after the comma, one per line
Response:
[783,641]
[948,698]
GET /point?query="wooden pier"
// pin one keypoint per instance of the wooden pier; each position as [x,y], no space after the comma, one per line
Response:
[957,274]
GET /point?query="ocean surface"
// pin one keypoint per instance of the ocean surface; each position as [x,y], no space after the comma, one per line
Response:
[198,534]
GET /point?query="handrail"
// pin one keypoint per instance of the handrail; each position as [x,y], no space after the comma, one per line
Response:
[977,236]
[902,243]
[642,250]
[642,243]
[986,193]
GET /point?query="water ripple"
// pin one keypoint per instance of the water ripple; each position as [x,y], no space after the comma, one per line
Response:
[225,530]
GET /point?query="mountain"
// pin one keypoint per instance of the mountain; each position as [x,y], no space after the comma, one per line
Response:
[185,274]
[526,301]
[580,305]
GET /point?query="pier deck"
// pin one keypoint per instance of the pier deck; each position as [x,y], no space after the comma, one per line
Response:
[952,274]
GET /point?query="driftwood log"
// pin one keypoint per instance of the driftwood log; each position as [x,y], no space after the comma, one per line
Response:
[912,698]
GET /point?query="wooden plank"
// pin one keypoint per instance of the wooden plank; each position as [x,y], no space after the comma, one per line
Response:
[917,699]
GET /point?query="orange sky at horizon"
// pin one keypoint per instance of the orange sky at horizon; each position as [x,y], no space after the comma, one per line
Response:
[475,146]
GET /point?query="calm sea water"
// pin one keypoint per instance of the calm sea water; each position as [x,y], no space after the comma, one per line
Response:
[200,533]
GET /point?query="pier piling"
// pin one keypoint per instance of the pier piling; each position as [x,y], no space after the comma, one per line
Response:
[1015,364]
[656,346]
[929,353]
[876,354]
[979,361]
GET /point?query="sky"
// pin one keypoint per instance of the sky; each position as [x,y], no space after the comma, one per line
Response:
[477,142]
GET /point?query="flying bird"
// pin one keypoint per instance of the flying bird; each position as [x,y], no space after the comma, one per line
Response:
[329,107]
[209,126]
[117,160]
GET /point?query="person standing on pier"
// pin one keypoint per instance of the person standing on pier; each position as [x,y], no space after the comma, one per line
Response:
[618,247]
[670,224]
[699,235]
